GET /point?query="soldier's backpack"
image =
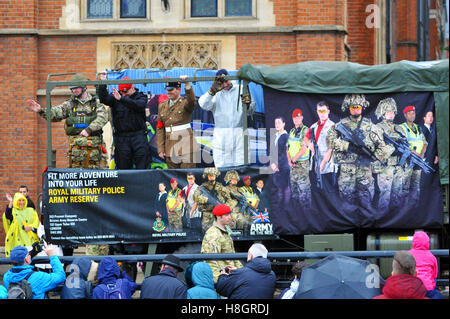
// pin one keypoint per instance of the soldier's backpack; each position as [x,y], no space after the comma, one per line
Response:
[21,289]
[113,291]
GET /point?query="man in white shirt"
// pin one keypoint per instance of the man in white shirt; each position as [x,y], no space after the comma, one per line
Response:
[223,100]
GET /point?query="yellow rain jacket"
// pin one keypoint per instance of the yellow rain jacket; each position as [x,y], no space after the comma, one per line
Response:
[15,233]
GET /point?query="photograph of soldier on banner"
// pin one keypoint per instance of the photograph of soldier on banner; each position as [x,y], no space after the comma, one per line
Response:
[342,161]
[191,195]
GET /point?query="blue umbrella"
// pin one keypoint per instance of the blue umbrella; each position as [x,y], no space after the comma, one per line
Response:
[340,277]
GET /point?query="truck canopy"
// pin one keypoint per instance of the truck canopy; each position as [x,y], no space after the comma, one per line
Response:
[323,77]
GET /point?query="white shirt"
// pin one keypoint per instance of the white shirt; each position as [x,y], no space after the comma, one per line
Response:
[224,106]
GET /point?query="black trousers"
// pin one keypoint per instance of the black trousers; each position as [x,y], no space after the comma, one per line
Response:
[131,151]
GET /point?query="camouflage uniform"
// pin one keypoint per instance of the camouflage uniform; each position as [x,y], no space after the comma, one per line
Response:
[355,181]
[238,219]
[389,177]
[87,152]
[217,240]
[208,195]
[175,215]
[411,181]
[299,175]
[84,152]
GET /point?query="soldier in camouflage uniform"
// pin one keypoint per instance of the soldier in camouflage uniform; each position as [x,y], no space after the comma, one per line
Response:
[298,159]
[217,240]
[389,177]
[238,219]
[355,181]
[210,194]
[175,206]
[85,117]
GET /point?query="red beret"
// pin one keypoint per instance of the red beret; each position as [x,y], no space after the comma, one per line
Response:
[125,87]
[221,209]
[173,180]
[246,177]
[409,108]
[296,113]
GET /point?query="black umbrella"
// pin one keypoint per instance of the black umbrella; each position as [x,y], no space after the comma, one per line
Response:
[340,277]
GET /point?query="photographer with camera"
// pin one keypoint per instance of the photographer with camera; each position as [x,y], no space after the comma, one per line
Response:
[256,280]
[225,99]
[23,282]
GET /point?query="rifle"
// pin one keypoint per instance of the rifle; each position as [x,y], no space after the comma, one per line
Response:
[246,208]
[356,137]
[317,163]
[402,147]
[212,200]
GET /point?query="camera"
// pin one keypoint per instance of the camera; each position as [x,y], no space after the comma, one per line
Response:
[36,247]
[227,270]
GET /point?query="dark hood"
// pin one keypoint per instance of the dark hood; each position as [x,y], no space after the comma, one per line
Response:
[260,264]
[108,270]
[84,265]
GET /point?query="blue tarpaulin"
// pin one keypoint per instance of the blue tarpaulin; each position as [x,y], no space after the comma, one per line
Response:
[200,87]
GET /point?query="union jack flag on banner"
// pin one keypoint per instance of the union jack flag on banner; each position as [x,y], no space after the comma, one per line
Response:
[260,217]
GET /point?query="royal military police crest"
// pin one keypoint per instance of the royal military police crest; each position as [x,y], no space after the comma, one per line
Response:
[158,225]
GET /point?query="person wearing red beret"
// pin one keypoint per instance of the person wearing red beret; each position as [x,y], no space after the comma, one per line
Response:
[175,206]
[217,240]
[298,160]
[418,144]
[131,147]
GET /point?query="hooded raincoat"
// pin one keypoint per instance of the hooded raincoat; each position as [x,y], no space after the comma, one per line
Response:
[13,222]
[426,263]
[108,273]
[403,287]
[40,281]
[77,286]
[200,276]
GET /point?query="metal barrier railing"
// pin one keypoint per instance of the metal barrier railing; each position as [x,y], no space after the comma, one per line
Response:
[243,256]
[235,256]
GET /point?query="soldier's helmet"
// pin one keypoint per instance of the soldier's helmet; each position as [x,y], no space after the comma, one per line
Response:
[78,77]
[384,106]
[210,171]
[354,100]
[231,175]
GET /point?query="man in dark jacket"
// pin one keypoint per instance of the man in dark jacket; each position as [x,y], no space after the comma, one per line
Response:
[129,127]
[165,285]
[254,281]
[404,283]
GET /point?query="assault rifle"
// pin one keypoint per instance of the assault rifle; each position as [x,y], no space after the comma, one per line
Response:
[246,208]
[356,138]
[402,147]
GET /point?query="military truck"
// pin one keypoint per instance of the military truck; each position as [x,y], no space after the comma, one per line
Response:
[281,89]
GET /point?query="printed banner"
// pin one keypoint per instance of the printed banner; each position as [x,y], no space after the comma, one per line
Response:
[145,206]
[332,171]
